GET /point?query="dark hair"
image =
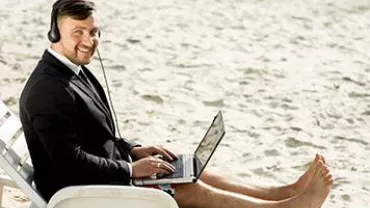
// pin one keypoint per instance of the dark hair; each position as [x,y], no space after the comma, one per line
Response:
[77,9]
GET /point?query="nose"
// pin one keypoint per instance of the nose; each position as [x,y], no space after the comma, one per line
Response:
[89,40]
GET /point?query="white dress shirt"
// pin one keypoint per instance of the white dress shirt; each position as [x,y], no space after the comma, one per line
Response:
[75,68]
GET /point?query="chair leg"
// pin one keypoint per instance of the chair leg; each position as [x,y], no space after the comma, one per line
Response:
[1,194]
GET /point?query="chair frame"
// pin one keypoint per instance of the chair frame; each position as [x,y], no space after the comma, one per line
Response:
[20,170]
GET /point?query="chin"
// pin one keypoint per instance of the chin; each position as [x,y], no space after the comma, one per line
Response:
[86,62]
[83,62]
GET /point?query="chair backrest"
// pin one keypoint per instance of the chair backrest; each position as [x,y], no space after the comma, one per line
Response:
[14,155]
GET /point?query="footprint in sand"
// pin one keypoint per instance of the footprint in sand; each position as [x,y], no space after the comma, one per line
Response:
[214,103]
[272,152]
[294,143]
[153,98]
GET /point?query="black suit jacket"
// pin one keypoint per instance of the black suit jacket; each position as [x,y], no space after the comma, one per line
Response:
[69,130]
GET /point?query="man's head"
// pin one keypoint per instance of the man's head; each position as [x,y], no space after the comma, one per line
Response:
[74,30]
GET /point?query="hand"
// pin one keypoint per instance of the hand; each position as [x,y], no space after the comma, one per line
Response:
[150,165]
[142,152]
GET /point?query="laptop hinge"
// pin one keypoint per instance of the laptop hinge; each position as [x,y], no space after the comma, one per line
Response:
[195,169]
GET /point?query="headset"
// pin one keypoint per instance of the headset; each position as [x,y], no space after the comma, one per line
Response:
[54,34]
[54,37]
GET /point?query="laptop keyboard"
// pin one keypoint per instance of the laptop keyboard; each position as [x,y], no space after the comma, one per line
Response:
[179,172]
[179,165]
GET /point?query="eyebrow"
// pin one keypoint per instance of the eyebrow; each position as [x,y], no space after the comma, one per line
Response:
[84,28]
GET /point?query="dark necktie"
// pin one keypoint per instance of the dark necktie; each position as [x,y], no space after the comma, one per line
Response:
[88,84]
[82,75]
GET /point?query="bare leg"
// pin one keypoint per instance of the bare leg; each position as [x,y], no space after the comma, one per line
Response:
[267,193]
[202,195]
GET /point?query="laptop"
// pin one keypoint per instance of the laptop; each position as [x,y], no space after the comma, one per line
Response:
[189,167]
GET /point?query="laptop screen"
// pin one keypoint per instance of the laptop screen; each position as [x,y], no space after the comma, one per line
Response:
[209,143]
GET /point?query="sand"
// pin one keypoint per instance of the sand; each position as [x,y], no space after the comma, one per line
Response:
[291,78]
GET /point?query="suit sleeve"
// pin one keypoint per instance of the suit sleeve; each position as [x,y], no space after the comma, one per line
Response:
[51,108]
[127,144]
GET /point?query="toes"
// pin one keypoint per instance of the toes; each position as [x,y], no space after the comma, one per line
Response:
[328,177]
[322,159]
[317,157]
[318,169]
[315,162]
[325,170]
[329,180]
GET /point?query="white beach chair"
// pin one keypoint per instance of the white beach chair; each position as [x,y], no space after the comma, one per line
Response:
[15,161]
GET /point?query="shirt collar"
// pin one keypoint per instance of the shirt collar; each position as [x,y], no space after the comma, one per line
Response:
[75,68]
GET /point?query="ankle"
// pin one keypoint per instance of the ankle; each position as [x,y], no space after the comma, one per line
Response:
[295,189]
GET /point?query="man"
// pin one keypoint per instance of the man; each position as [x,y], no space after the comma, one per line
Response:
[70,132]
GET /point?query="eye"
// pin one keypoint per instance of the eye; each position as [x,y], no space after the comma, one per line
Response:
[78,32]
[94,33]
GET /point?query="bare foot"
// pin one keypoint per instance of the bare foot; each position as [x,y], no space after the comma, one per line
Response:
[316,192]
[306,178]
[319,188]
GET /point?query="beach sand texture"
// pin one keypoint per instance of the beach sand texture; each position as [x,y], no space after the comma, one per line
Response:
[291,78]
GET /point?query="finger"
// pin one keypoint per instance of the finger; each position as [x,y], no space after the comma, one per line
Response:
[163,171]
[172,154]
[153,160]
[164,153]
[156,167]
[142,168]
[165,163]
[159,168]
[168,167]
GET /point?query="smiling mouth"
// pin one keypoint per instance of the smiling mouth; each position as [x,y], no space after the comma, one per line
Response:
[83,50]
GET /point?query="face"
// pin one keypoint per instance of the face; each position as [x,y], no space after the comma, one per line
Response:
[79,39]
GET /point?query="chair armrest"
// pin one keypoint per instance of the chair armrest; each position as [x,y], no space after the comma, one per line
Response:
[7,181]
[108,196]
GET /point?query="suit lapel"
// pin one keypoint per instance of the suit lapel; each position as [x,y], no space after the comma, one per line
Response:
[81,89]
[101,94]
[96,98]
[84,92]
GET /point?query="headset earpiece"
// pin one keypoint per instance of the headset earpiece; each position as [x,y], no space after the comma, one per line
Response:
[53,34]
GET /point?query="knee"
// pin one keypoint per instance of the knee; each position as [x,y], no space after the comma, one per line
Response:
[187,195]
[211,177]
